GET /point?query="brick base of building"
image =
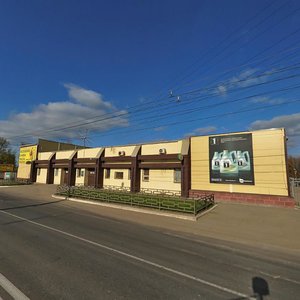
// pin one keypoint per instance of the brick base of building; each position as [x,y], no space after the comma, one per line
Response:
[267,200]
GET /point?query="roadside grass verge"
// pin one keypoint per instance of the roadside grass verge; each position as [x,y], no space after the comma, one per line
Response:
[9,182]
[160,202]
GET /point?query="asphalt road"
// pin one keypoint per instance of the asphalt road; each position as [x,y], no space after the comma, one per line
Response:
[50,250]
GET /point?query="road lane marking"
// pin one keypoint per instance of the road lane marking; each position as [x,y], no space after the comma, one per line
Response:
[136,258]
[11,289]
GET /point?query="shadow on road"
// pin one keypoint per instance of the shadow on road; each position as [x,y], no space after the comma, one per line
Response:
[260,289]
[31,205]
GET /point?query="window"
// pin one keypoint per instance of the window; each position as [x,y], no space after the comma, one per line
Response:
[118,175]
[146,175]
[177,176]
[129,174]
[80,172]
[107,173]
[38,172]
[55,172]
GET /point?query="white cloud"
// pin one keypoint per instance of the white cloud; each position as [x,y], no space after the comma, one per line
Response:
[86,97]
[83,107]
[142,99]
[160,128]
[222,89]
[243,79]
[290,122]
[202,131]
[267,100]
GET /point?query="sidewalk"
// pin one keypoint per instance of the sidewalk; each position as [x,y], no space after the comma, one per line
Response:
[268,228]
[263,227]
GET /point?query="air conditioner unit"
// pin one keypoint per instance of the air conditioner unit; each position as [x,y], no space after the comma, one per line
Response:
[162,151]
[121,153]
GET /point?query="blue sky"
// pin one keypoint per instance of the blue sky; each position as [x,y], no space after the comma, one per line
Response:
[229,65]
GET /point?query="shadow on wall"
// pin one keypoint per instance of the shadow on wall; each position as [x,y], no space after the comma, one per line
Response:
[260,289]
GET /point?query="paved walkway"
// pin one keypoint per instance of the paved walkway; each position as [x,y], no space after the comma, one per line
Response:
[268,228]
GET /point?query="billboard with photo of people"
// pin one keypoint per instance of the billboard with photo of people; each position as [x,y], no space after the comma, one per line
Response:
[231,159]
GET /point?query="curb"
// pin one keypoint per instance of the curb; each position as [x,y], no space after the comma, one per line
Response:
[8,186]
[141,210]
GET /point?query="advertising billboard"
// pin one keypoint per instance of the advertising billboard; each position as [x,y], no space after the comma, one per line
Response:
[27,154]
[231,159]
[7,167]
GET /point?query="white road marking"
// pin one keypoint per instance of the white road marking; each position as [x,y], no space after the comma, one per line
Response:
[280,277]
[11,289]
[136,258]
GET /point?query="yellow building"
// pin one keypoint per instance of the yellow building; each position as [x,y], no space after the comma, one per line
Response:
[161,166]
[86,166]
[262,178]
[43,173]
[61,166]
[241,166]
[117,165]
[28,154]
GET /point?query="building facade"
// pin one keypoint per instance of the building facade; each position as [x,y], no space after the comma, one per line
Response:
[244,166]
[29,154]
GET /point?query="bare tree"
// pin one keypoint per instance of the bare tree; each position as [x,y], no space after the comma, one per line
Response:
[7,156]
[294,166]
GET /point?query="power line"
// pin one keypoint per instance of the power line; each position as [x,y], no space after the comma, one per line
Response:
[260,33]
[201,108]
[259,61]
[118,114]
[189,100]
[212,117]
[244,80]
[236,30]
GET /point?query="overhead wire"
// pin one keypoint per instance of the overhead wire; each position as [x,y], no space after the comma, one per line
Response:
[221,52]
[116,114]
[113,115]
[220,43]
[216,116]
[215,93]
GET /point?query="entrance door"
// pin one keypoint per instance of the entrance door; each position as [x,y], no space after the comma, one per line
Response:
[91,177]
[64,176]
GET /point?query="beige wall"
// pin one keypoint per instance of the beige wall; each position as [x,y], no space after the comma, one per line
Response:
[80,180]
[64,154]
[42,178]
[24,171]
[88,153]
[153,149]
[57,178]
[160,179]
[114,151]
[269,165]
[117,182]
[45,155]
